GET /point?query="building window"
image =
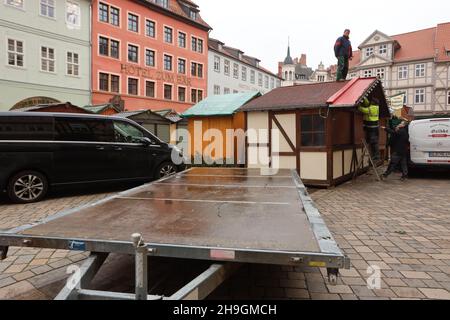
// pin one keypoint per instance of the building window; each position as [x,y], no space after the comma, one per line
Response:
[235,91]
[196,70]
[193,14]
[162,3]
[448,97]
[182,39]
[114,16]
[226,91]
[312,131]
[420,96]
[150,89]
[244,73]
[260,79]
[403,72]
[109,82]
[109,48]
[196,95]
[15,53]
[321,78]
[252,76]
[182,66]
[47,59]
[15,3]
[104,82]
[236,71]
[266,82]
[47,8]
[367,73]
[103,12]
[168,35]
[114,49]
[383,49]
[369,52]
[150,29]
[181,94]
[73,66]
[150,58]
[133,86]
[226,67]
[272,83]
[420,70]
[216,90]
[168,92]
[133,22]
[197,45]
[380,73]
[216,64]
[73,13]
[200,46]
[109,14]
[133,53]
[167,62]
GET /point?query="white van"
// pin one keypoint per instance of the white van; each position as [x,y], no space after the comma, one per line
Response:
[430,142]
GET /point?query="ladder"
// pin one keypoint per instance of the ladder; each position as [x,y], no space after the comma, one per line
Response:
[359,165]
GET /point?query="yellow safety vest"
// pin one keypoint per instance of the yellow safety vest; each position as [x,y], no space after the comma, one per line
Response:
[371,112]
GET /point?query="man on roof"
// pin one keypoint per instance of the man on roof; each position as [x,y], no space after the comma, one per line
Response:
[343,52]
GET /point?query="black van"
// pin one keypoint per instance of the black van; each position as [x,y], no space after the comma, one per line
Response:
[43,150]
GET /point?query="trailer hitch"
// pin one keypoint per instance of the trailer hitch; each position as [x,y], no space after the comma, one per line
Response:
[3,253]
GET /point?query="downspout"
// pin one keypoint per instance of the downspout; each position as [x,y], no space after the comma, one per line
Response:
[90,54]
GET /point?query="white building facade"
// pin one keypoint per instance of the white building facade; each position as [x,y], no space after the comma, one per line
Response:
[46,55]
[415,63]
[296,71]
[230,71]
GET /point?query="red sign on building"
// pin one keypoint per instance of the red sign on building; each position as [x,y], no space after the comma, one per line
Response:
[154,54]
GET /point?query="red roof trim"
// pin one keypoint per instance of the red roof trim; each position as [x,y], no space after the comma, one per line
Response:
[338,94]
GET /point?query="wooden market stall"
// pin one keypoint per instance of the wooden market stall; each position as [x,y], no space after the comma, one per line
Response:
[209,121]
[318,129]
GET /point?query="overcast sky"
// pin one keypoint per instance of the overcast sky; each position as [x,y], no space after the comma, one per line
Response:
[261,28]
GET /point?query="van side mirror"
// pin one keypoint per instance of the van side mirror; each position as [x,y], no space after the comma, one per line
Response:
[147,141]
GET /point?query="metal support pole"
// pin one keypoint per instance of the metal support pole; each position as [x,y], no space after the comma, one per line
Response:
[141,267]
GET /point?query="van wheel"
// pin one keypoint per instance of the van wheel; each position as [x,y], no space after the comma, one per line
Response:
[27,187]
[165,169]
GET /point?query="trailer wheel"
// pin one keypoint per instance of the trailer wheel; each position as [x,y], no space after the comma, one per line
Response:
[27,187]
[165,169]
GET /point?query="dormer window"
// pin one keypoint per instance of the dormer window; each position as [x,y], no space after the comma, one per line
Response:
[369,52]
[383,49]
[163,3]
[193,14]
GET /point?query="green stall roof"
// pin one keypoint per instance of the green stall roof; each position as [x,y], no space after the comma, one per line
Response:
[220,105]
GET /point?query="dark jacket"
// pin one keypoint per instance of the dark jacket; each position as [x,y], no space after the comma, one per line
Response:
[343,48]
[399,141]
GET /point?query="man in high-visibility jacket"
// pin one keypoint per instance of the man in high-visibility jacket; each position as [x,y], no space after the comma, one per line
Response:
[371,111]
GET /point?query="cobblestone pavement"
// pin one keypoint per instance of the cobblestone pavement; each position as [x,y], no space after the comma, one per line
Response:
[403,228]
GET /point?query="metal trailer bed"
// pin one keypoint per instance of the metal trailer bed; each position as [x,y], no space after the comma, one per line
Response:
[230,216]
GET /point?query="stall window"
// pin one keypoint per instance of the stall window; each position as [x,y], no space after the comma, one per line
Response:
[312,131]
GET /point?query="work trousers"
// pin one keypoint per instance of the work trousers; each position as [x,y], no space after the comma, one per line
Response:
[342,70]
[373,140]
[396,160]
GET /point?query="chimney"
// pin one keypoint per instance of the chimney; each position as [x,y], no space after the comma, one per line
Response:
[303,60]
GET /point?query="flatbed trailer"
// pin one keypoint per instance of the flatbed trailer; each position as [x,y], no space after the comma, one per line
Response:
[227,216]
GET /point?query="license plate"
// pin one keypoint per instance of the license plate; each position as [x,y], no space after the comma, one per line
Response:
[439,154]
